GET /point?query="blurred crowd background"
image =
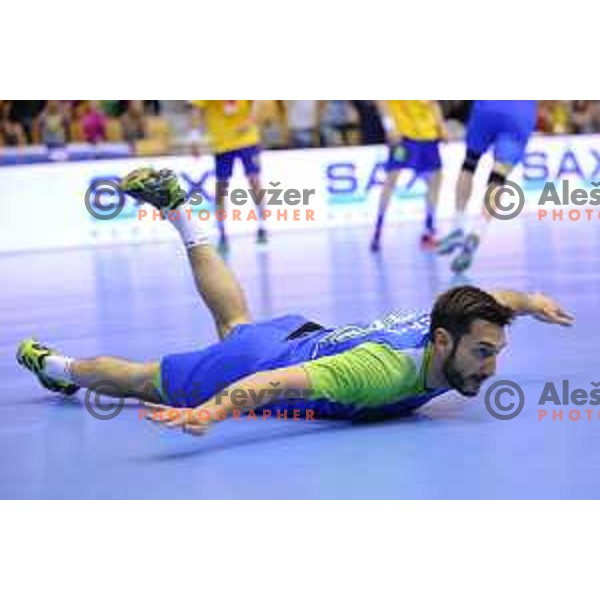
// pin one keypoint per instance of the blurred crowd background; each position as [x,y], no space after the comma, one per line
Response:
[150,127]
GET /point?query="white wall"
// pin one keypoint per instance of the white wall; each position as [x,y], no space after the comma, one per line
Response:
[49,198]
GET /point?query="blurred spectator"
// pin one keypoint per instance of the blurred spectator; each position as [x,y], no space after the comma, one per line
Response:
[338,123]
[25,112]
[134,121]
[369,122]
[11,132]
[271,119]
[52,125]
[595,120]
[113,108]
[585,116]
[93,122]
[152,127]
[304,118]
[152,107]
[553,116]
[581,116]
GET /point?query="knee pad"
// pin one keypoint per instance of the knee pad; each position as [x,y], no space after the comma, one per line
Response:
[471,161]
[498,178]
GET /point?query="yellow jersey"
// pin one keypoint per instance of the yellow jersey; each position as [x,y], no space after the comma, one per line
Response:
[228,124]
[415,119]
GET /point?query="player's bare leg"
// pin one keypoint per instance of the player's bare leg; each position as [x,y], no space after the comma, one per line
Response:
[214,280]
[219,288]
[434,183]
[117,377]
[110,376]
[261,233]
[221,191]
[473,239]
[464,189]
[384,202]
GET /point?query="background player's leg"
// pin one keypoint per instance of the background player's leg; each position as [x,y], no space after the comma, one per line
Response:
[261,234]
[251,160]
[472,240]
[434,182]
[222,189]
[464,189]
[500,173]
[481,133]
[223,171]
[384,202]
[428,164]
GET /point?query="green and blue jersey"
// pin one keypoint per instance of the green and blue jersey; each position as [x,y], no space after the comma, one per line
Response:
[357,371]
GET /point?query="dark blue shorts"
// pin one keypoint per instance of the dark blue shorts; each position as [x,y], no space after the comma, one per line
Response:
[192,378]
[249,156]
[504,124]
[420,156]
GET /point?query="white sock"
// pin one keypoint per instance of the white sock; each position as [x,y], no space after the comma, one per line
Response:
[481,227]
[460,220]
[58,367]
[191,229]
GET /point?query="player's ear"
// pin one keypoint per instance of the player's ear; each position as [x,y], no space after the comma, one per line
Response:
[442,341]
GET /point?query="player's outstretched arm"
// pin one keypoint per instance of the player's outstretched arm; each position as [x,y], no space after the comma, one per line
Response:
[536,305]
[367,376]
[243,396]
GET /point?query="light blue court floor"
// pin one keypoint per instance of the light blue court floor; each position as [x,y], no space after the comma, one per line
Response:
[139,302]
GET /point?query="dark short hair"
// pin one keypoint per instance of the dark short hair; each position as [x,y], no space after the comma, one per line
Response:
[456,309]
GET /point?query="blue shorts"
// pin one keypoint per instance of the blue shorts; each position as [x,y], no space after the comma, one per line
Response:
[192,378]
[250,157]
[420,156]
[504,124]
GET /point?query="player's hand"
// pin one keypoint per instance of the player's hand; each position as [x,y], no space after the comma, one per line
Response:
[545,309]
[191,421]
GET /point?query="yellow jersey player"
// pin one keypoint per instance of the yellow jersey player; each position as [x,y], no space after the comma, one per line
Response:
[413,129]
[233,135]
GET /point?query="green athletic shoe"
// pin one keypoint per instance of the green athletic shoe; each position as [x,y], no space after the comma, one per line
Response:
[31,355]
[465,257]
[451,242]
[161,188]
